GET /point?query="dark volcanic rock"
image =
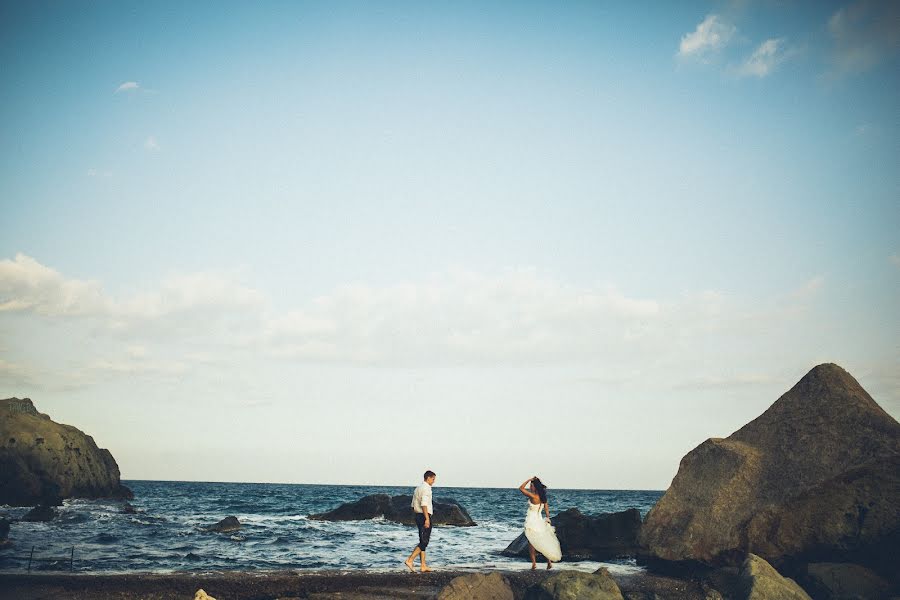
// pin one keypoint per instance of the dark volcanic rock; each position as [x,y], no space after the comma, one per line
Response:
[584,537]
[42,462]
[40,513]
[226,525]
[815,478]
[397,509]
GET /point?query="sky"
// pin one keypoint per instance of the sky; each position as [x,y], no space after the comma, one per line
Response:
[322,242]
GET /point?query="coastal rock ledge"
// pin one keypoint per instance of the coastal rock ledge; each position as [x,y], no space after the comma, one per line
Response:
[43,462]
[815,478]
[397,509]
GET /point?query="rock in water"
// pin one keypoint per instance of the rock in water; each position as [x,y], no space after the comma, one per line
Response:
[397,509]
[45,462]
[761,581]
[226,525]
[575,585]
[815,478]
[477,587]
[4,532]
[584,537]
[40,513]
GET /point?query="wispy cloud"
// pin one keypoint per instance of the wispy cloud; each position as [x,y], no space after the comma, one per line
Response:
[128,86]
[99,173]
[710,36]
[151,144]
[864,34]
[764,60]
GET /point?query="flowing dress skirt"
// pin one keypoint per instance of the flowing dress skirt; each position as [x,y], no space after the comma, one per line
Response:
[541,534]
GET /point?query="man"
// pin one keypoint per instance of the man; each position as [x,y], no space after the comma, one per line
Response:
[422,507]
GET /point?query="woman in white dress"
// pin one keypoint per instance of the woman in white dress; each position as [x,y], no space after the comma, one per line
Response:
[540,533]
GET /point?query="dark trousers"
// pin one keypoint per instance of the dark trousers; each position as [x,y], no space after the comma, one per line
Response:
[424,532]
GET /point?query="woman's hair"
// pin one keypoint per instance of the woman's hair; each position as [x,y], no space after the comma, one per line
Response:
[541,489]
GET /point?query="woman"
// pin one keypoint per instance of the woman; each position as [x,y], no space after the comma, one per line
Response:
[540,533]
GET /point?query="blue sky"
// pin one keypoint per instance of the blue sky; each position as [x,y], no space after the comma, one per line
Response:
[582,239]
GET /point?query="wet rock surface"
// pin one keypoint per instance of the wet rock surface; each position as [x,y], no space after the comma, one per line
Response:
[589,537]
[397,509]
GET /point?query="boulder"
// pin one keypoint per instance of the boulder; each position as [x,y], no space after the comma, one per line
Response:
[226,525]
[584,537]
[40,513]
[45,462]
[815,478]
[843,581]
[477,586]
[760,581]
[397,509]
[575,585]
[201,595]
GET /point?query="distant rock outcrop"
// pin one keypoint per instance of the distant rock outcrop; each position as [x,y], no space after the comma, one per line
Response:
[397,509]
[584,537]
[815,478]
[226,525]
[42,462]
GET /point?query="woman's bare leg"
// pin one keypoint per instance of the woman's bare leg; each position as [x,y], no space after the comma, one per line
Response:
[533,557]
[549,565]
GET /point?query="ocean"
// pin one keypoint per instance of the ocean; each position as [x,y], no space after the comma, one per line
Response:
[167,533]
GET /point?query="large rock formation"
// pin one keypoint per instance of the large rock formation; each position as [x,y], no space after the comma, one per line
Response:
[42,462]
[397,509]
[584,537]
[815,478]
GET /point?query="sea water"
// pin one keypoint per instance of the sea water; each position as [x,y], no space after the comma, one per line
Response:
[168,531]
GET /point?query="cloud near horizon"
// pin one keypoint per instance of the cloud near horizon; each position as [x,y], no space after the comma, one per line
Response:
[518,317]
[864,34]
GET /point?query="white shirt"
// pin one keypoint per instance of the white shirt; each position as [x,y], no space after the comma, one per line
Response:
[421,499]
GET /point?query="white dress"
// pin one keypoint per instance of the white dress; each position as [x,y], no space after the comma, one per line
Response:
[541,534]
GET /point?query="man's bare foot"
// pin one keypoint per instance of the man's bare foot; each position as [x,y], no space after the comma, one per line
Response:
[426,570]
[409,566]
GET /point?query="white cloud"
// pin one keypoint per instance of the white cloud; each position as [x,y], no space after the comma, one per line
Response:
[711,35]
[28,286]
[98,173]
[128,86]
[764,59]
[864,34]
[151,144]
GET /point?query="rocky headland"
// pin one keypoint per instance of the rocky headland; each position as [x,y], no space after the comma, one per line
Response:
[397,509]
[814,479]
[43,462]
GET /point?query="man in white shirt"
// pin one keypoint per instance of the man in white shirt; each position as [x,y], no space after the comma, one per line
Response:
[422,506]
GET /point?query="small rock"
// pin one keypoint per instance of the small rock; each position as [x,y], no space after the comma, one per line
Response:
[4,531]
[760,581]
[575,585]
[477,587]
[40,513]
[201,595]
[226,525]
[128,509]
